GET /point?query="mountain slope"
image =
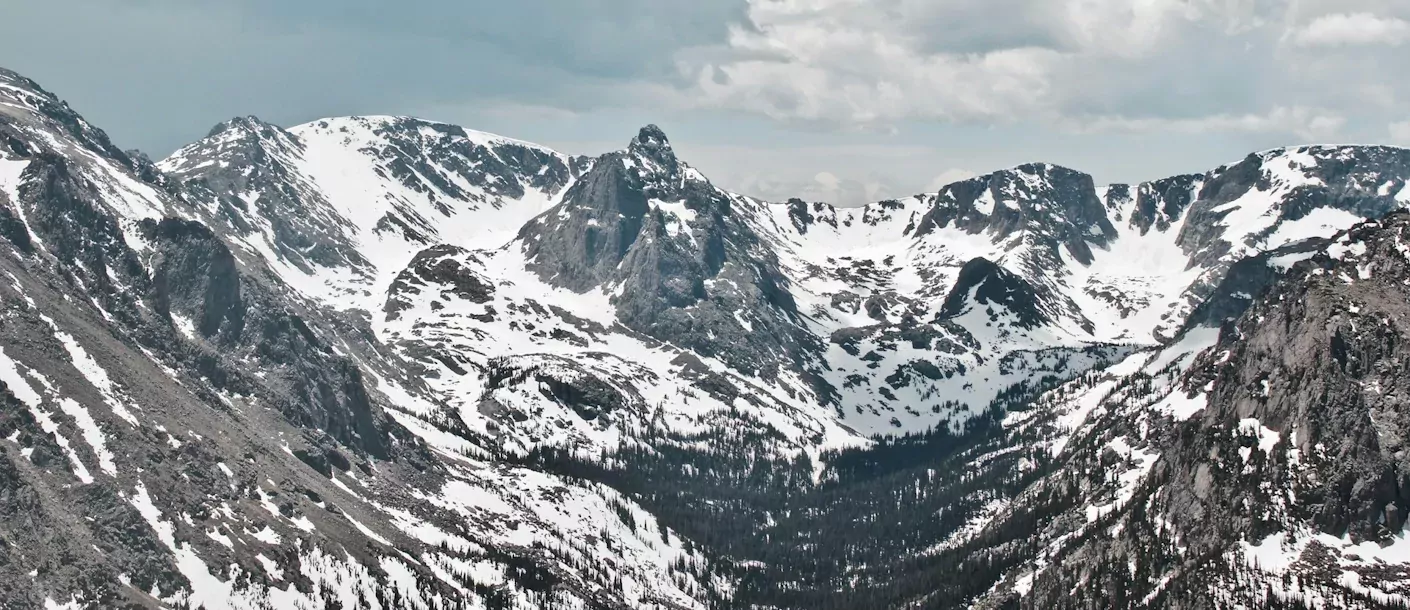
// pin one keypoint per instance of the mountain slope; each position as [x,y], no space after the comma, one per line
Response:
[1262,471]
[337,206]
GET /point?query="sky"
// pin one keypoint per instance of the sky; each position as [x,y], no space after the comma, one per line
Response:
[846,101]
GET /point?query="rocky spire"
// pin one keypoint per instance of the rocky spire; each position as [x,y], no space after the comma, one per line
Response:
[651,145]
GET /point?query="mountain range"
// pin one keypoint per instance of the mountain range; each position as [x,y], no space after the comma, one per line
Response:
[383,362]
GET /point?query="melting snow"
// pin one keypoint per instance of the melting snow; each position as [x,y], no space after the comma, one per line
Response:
[1320,222]
[93,372]
[1267,438]
[10,375]
[1286,261]
[1127,481]
[92,434]
[10,172]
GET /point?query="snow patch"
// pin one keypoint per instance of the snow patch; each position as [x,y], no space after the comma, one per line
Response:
[1320,222]
[10,375]
[93,372]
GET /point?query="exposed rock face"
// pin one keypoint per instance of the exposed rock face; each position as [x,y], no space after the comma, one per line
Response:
[1054,208]
[1265,464]
[1162,203]
[1319,362]
[195,276]
[657,233]
[1247,279]
[605,213]
[196,279]
[983,283]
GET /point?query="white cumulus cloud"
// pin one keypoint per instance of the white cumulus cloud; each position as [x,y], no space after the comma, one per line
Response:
[1354,29]
[1183,66]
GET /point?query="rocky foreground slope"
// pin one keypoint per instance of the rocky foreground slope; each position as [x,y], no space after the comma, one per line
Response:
[379,362]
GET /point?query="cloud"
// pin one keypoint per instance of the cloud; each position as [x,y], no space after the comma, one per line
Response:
[1306,123]
[948,177]
[1179,65]
[844,175]
[853,63]
[1354,29]
[827,187]
[1400,133]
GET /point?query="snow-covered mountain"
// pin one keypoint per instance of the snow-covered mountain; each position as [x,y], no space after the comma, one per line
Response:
[388,362]
[182,430]
[806,301]
[1257,465]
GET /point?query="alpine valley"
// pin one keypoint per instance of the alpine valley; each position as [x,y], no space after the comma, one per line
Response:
[385,363]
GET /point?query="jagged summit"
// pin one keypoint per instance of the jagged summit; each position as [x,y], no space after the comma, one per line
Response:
[653,162]
[248,123]
[651,141]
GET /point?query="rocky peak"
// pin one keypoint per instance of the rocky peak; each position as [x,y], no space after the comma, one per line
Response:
[1050,192]
[1243,207]
[248,131]
[981,282]
[1051,206]
[651,161]
[581,243]
[48,113]
[249,123]
[240,141]
[652,143]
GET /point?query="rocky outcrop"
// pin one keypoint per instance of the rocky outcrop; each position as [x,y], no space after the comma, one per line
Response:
[1054,208]
[195,277]
[981,282]
[438,266]
[1320,364]
[1286,457]
[1248,279]
[683,264]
